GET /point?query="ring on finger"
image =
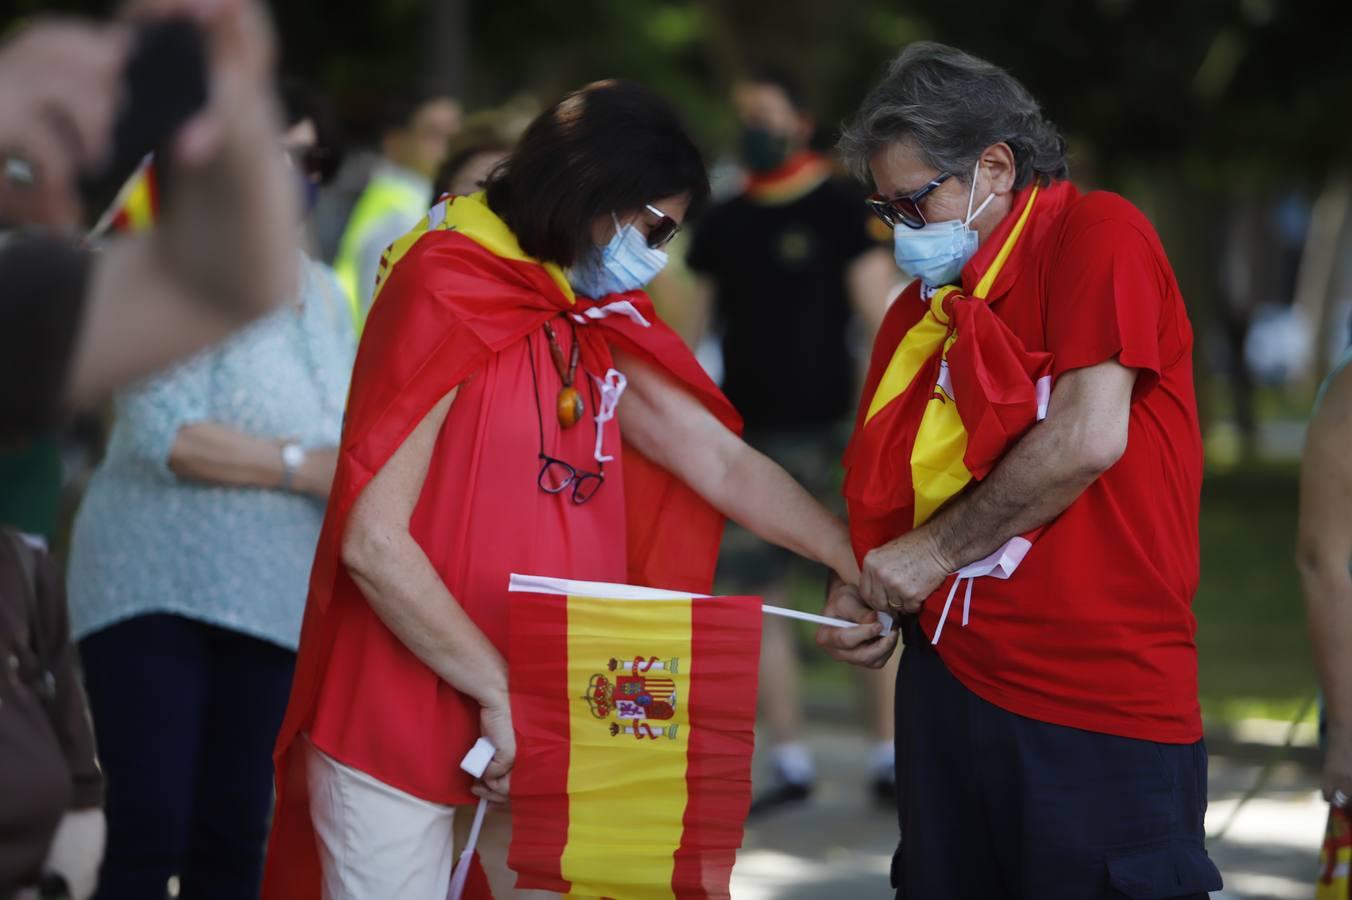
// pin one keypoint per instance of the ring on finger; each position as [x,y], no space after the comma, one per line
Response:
[1340,798]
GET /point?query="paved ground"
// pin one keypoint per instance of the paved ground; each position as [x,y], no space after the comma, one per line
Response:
[838,846]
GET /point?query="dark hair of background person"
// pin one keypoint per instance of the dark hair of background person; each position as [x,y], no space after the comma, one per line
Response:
[783,79]
[469,143]
[299,102]
[608,148]
[398,109]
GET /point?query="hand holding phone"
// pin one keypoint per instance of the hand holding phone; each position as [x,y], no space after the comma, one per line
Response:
[59,94]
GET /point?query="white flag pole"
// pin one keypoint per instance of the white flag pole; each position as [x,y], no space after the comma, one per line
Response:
[475,762]
[461,874]
[883,617]
[537,584]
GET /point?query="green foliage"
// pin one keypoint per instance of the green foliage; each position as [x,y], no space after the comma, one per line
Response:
[1219,89]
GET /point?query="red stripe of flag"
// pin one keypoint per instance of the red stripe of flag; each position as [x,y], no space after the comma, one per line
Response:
[540,698]
[725,655]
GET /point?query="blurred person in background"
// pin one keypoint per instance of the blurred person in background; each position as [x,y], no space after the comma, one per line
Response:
[485,141]
[1324,555]
[1050,748]
[188,567]
[75,325]
[416,131]
[511,327]
[784,267]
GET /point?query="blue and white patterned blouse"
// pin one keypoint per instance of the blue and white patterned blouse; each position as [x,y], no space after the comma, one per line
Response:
[147,541]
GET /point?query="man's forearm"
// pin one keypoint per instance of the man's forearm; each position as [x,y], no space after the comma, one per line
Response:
[1035,482]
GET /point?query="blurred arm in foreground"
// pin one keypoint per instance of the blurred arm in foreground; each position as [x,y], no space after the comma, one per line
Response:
[82,325]
[1324,552]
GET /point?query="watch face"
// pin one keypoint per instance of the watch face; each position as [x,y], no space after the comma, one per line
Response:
[293,455]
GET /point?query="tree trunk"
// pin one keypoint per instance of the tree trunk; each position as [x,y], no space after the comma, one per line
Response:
[1317,279]
[446,47]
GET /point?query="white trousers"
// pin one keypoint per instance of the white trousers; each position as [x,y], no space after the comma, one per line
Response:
[377,842]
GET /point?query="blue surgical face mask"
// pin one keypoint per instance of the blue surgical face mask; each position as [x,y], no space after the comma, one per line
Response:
[936,253]
[627,263]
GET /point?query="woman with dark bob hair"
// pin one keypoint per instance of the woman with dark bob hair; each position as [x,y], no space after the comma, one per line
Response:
[516,406]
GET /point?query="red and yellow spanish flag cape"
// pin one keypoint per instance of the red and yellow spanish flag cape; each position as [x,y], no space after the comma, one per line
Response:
[634,712]
[454,293]
[950,388]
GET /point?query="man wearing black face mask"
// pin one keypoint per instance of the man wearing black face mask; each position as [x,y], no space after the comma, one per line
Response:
[785,266]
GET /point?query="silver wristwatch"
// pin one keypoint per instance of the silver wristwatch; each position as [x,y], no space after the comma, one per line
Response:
[293,457]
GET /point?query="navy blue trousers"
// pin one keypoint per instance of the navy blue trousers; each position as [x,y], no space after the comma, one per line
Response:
[995,806]
[185,715]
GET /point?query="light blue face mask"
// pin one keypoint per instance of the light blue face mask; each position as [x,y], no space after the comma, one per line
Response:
[936,253]
[627,263]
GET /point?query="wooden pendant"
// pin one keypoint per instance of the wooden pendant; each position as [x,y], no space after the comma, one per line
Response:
[570,407]
[569,404]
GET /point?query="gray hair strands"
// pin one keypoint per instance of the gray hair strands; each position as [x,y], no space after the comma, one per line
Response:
[953,106]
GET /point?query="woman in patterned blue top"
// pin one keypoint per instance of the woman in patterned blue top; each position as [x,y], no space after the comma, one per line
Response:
[188,573]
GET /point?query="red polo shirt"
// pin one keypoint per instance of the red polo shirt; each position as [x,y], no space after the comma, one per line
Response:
[1095,629]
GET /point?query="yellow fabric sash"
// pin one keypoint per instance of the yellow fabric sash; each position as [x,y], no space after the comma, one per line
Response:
[938,469]
[472,217]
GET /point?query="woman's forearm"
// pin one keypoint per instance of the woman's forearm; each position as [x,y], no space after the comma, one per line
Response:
[218,454]
[669,426]
[406,593]
[756,493]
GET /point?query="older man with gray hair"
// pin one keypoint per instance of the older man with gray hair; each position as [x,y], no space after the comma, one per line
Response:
[1050,746]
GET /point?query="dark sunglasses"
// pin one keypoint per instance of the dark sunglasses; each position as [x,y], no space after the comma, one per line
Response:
[556,476]
[666,228]
[904,210]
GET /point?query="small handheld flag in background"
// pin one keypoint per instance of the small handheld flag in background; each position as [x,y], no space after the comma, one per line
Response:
[634,712]
[136,206]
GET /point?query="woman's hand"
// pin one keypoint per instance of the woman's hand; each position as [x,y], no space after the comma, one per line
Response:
[495,723]
[864,644]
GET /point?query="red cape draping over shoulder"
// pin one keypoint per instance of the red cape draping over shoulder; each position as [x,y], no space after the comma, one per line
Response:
[454,293]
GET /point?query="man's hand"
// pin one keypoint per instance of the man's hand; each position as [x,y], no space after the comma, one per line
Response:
[61,89]
[899,577]
[495,722]
[862,645]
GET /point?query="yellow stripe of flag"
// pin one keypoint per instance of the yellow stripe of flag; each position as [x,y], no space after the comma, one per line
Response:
[614,803]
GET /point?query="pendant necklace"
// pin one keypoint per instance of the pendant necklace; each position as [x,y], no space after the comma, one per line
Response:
[569,405]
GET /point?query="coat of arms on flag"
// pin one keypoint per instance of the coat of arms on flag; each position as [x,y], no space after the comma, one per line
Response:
[641,693]
[634,711]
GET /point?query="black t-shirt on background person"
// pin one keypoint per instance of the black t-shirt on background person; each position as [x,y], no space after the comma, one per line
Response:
[43,279]
[783,301]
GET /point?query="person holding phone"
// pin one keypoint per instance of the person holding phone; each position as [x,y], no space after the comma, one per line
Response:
[76,324]
[218,469]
